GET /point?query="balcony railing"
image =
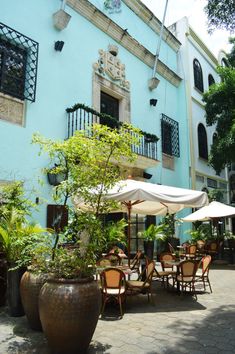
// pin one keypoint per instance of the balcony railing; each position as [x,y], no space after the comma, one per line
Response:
[80,117]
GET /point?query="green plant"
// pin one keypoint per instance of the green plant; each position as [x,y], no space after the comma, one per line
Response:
[202,232]
[20,238]
[87,160]
[152,233]
[115,234]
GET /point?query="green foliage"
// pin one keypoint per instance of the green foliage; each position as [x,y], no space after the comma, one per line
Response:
[90,161]
[168,223]
[220,110]
[115,233]
[202,232]
[216,194]
[221,14]
[20,238]
[153,232]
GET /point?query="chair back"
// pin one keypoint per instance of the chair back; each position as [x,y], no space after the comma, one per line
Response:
[213,246]
[185,246]
[150,267]
[135,263]
[188,268]
[206,261]
[164,257]
[192,249]
[112,278]
[171,248]
[200,245]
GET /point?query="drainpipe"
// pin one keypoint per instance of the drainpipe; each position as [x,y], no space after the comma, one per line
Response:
[63,4]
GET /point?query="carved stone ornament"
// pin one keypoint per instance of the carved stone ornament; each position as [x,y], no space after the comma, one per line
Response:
[108,64]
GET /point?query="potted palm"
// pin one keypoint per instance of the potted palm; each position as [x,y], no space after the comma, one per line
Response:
[69,302]
[150,235]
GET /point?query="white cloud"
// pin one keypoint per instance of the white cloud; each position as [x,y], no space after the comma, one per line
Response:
[193,9]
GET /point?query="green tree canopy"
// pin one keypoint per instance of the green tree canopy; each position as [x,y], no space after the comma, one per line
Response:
[221,14]
[220,110]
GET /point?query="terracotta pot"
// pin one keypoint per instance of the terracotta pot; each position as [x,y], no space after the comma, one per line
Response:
[69,311]
[30,286]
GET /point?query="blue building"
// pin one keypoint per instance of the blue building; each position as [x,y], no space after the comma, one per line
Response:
[101,54]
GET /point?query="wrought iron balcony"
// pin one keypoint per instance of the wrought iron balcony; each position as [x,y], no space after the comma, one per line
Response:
[80,116]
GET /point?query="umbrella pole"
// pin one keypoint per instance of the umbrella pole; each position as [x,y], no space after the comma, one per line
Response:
[129,232]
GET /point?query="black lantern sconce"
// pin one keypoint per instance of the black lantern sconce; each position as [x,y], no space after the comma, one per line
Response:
[153,102]
[59,46]
[54,179]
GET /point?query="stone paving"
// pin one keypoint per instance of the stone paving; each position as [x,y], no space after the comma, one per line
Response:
[174,324]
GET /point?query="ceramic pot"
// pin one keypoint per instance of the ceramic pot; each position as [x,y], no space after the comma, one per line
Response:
[30,286]
[13,292]
[69,311]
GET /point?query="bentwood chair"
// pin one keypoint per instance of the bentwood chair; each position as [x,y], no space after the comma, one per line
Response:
[186,276]
[113,287]
[202,274]
[191,252]
[167,268]
[135,287]
[135,263]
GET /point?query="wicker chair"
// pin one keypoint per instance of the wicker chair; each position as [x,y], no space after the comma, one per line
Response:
[201,247]
[113,287]
[202,274]
[139,286]
[186,276]
[135,263]
[167,269]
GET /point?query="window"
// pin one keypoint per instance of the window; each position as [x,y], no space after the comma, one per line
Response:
[212,183]
[224,63]
[170,136]
[202,142]
[18,64]
[12,69]
[211,80]
[109,105]
[198,77]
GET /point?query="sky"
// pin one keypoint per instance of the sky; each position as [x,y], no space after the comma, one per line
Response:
[193,9]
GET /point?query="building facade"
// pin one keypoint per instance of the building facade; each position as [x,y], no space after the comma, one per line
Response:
[98,55]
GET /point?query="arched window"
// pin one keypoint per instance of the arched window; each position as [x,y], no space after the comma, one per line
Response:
[211,80]
[198,77]
[224,63]
[202,142]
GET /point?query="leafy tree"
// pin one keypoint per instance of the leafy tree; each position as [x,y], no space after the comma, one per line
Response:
[221,14]
[220,110]
[90,161]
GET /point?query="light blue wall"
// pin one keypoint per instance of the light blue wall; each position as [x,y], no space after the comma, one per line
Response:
[65,78]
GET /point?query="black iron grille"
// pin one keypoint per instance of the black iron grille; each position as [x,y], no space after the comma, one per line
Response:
[170,136]
[18,64]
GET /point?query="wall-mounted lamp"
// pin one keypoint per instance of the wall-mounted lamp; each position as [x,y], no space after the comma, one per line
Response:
[153,102]
[59,45]
[61,19]
[147,175]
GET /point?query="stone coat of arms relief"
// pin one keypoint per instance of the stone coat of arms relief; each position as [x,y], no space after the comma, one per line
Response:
[109,64]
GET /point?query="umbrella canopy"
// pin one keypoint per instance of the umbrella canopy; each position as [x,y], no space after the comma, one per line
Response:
[150,199]
[214,210]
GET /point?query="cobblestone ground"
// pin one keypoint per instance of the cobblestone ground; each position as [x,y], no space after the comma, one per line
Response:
[174,324]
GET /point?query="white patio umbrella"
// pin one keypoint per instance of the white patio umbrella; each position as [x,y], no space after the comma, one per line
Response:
[151,199]
[214,210]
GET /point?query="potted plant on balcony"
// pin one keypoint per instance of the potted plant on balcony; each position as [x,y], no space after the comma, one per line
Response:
[69,303]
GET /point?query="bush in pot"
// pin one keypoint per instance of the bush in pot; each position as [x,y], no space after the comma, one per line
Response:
[18,236]
[69,303]
[149,235]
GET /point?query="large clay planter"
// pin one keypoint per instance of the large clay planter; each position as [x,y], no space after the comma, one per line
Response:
[30,286]
[69,311]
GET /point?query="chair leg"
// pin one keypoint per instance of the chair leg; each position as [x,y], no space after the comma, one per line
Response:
[209,284]
[120,305]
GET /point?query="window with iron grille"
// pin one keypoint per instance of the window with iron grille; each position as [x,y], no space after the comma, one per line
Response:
[18,64]
[170,136]
[198,77]
[202,142]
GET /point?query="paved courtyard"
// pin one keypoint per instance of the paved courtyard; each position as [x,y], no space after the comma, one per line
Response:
[175,324]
